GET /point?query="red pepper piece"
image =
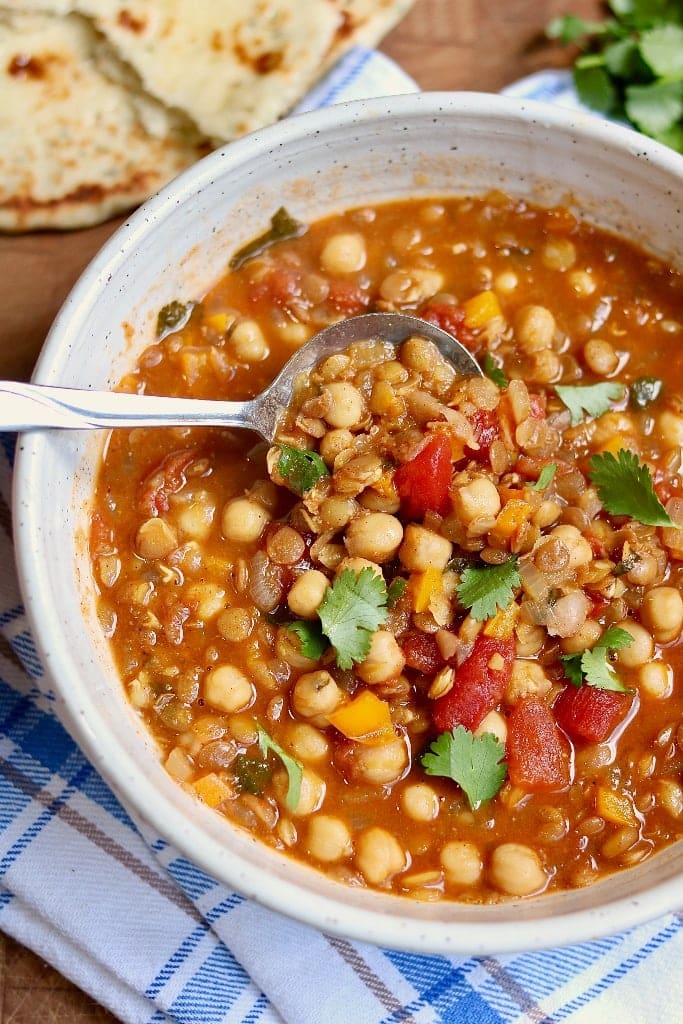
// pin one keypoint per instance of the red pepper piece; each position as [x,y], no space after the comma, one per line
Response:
[423,483]
[589,713]
[452,319]
[166,478]
[486,428]
[347,297]
[421,652]
[479,685]
[537,752]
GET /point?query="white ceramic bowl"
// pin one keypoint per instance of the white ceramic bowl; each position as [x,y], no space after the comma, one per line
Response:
[175,247]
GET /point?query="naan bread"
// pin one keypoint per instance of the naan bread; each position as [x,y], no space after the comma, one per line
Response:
[102,102]
[78,141]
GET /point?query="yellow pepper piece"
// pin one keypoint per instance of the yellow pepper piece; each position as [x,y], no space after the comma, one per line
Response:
[211,789]
[513,515]
[503,623]
[615,807]
[422,586]
[481,308]
[365,719]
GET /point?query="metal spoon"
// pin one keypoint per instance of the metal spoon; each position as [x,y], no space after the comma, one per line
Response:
[36,406]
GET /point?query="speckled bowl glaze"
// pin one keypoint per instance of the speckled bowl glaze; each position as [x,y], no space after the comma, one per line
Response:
[175,247]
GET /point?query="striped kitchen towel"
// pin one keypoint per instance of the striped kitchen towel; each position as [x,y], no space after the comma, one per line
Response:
[118,911]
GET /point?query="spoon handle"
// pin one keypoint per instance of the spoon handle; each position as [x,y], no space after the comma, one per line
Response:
[36,406]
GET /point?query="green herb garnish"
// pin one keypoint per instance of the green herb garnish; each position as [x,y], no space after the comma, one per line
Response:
[588,399]
[631,65]
[282,227]
[313,643]
[494,371]
[293,767]
[594,668]
[353,608]
[395,591]
[644,391]
[300,467]
[172,316]
[251,774]
[545,477]
[474,762]
[625,488]
[488,588]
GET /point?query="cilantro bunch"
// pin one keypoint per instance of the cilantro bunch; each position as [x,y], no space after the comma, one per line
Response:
[631,64]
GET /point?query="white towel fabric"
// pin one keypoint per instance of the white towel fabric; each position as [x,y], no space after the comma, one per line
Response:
[148,935]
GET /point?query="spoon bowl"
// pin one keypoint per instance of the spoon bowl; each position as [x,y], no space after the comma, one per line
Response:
[36,407]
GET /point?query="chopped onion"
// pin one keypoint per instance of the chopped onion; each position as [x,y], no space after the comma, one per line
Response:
[674,508]
[534,583]
[265,585]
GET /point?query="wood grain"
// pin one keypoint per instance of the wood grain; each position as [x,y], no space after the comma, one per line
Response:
[444,44]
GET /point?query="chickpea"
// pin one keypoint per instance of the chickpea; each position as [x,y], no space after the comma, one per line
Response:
[558,254]
[379,855]
[582,283]
[495,724]
[336,512]
[506,282]
[307,592]
[655,680]
[422,549]
[316,695]
[381,765]
[311,794]
[207,599]
[346,405]
[420,802]
[343,253]
[670,797]
[461,862]
[376,536]
[641,650]
[334,443]
[407,286]
[384,660]
[670,428]
[307,743]
[584,639]
[516,869]
[244,520]
[420,354]
[600,357]
[196,519]
[527,680]
[329,839]
[580,551]
[477,500]
[247,343]
[155,539]
[356,565]
[662,613]
[534,328]
[228,689]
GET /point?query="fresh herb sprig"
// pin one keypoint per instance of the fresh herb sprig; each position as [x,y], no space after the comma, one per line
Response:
[625,488]
[594,667]
[474,762]
[293,767]
[489,588]
[631,64]
[282,227]
[300,467]
[589,399]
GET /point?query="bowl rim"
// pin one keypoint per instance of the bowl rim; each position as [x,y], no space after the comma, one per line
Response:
[128,781]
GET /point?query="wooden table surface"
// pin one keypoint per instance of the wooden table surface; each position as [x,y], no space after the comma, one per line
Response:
[443,44]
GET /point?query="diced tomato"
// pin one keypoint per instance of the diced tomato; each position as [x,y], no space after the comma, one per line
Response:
[423,483]
[537,406]
[537,752]
[421,652]
[166,478]
[589,713]
[480,683]
[597,545]
[450,318]
[278,286]
[486,428]
[347,297]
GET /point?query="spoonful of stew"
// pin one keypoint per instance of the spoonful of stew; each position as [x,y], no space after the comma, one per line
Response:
[36,406]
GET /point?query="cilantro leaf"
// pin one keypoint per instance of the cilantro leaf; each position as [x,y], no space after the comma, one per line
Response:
[301,468]
[173,316]
[594,667]
[594,86]
[293,767]
[655,107]
[474,762]
[662,49]
[625,488]
[313,643]
[568,28]
[591,399]
[493,371]
[282,226]
[395,591]
[353,608]
[598,672]
[545,477]
[486,589]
